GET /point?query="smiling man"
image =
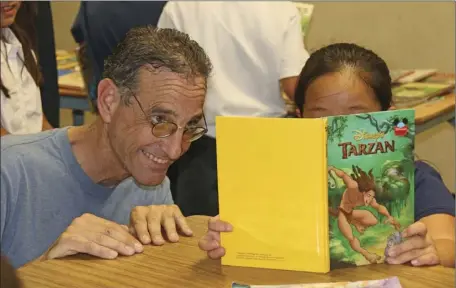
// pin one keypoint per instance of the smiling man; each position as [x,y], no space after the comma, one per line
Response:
[74,190]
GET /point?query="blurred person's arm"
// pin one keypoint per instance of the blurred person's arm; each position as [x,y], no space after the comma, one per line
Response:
[46,124]
[166,19]
[3,132]
[292,55]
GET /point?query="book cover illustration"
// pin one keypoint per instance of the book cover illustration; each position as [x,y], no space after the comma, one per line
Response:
[370,184]
[392,282]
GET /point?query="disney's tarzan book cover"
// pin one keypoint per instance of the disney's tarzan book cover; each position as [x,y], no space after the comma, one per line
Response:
[370,184]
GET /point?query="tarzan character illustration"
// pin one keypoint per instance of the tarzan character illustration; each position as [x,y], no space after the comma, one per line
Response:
[360,191]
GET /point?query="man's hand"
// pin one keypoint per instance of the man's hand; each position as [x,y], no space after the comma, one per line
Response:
[146,223]
[211,241]
[95,236]
[417,248]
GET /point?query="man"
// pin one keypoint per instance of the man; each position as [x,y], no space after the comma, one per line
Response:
[98,29]
[360,191]
[255,47]
[71,190]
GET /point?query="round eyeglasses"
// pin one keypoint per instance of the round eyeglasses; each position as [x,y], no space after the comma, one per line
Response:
[165,129]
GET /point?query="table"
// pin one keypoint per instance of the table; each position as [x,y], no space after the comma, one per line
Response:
[434,112]
[76,100]
[184,265]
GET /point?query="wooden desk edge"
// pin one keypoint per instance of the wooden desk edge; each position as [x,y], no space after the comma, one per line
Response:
[450,98]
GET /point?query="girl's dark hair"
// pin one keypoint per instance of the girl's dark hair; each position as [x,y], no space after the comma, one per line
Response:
[24,20]
[341,56]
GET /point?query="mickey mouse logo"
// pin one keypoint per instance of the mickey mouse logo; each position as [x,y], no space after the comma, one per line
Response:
[400,126]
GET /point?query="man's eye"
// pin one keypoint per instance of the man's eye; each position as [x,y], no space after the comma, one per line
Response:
[157,119]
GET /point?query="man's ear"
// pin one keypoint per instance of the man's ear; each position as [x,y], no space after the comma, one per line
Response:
[108,99]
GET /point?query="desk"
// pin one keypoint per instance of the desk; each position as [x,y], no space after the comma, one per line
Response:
[184,265]
[434,112]
[76,100]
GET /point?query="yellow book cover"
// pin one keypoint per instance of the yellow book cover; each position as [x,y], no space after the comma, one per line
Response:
[272,186]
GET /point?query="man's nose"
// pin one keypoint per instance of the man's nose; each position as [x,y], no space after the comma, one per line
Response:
[173,145]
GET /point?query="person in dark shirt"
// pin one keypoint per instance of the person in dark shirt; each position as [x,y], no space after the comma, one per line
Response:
[100,26]
[342,79]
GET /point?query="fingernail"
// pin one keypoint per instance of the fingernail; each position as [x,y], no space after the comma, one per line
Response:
[158,240]
[229,228]
[173,237]
[130,250]
[415,262]
[138,247]
[216,244]
[145,239]
[112,254]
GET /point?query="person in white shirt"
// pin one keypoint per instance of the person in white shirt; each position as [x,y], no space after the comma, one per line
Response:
[21,107]
[256,49]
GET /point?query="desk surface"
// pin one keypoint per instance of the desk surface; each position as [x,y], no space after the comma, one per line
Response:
[434,108]
[184,265]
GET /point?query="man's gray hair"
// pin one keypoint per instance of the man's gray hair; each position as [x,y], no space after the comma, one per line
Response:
[148,46]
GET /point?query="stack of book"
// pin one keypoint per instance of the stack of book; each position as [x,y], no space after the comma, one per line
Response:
[414,87]
[68,69]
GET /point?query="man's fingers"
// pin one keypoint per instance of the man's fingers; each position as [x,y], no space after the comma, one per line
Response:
[116,232]
[138,222]
[182,222]
[218,225]
[72,244]
[412,243]
[217,253]
[426,260]
[406,257]
[208,243]
[154,226]
[170,227]
[417,228]
[111,243]
[113,230]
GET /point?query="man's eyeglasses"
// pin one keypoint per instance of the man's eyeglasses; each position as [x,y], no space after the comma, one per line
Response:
[164,129]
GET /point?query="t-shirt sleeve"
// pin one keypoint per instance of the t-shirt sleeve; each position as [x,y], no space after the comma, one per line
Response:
[165,20]
[431,194]
[292,53]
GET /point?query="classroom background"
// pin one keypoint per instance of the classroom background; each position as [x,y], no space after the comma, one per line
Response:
[406,34]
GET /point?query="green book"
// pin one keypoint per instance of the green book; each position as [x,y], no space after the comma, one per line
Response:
[370,184]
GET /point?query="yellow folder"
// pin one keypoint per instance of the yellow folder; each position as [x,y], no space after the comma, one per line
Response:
[272,184]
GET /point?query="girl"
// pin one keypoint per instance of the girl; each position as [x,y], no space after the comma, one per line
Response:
[21,110]
[342,79]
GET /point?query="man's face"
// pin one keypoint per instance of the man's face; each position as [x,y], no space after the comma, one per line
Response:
[368,197]
[164,96]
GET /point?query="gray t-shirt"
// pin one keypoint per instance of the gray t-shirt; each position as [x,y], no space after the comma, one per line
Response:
[43,188]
